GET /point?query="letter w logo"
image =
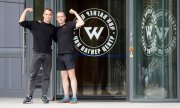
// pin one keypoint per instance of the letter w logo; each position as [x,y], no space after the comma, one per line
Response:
[94,32]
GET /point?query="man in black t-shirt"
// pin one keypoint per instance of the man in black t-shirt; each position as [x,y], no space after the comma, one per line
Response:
[66,59]
[43,33]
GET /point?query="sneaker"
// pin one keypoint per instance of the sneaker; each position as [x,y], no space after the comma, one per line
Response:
[45,99]
[27,99]
[73,100]
[65,100]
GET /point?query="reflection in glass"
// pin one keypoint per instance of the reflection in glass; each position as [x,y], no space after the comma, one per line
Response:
[156,51]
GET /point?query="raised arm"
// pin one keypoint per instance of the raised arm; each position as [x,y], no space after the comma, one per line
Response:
[80,22]
[23,15]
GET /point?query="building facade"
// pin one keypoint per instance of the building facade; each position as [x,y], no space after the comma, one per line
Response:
[127,49]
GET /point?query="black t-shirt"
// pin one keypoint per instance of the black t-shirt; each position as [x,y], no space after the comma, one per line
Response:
[65,38]
[43,34]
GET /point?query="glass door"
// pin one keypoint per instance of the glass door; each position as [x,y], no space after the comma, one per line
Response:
[101,66]
[155,57]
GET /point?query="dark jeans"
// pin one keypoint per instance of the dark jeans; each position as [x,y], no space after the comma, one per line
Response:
[44,60]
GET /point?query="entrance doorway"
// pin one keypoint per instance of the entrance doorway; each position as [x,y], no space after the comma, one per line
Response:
[103,75]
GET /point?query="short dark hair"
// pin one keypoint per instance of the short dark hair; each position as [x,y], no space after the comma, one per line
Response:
[49,9]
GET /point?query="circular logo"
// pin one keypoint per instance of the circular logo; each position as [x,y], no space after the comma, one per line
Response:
[98,35]
[158,30]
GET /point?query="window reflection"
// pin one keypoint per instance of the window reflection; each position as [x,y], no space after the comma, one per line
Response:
[156,49]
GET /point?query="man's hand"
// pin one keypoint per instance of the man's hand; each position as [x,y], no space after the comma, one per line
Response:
[71,11]
[23,15]
[79,21]
[29,10]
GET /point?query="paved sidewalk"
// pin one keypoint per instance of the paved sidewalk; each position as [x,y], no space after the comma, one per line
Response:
[17,103]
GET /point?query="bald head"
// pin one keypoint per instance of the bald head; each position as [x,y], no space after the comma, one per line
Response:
[61,18]
[61,13]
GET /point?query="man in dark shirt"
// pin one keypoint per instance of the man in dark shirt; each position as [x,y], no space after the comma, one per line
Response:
[43,33]
[66,59]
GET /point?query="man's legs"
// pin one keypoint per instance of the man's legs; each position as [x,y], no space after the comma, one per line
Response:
[35,67]
[72,76]
[34,70]
[65,83]
[47,64]
[70,66]
[66,65]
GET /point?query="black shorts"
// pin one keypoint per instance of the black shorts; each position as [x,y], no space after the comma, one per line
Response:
[65,61]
